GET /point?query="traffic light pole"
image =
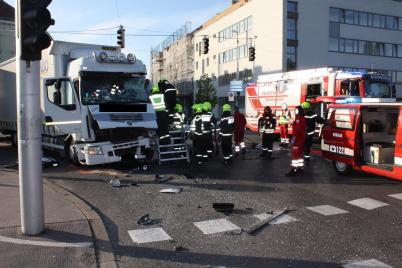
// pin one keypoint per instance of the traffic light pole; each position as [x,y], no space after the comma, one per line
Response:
[29,139]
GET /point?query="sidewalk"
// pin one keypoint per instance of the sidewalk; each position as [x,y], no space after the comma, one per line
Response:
[66,242]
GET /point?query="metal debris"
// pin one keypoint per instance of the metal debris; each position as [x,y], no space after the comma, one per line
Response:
[171,190]
[160,179]
[147,220]
[223,207]
[254,227]
[117,183]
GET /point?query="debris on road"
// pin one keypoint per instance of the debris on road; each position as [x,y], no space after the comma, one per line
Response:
[180,248]
[147,220]
[256,226]
[49,162]
[117,183]
[171,190]
[223,207]
[160,179]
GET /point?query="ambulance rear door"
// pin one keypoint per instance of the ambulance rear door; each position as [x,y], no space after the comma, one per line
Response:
[339,136]
[398,144]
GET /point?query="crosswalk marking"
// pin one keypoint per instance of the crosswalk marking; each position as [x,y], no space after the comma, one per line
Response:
[149,235]
[216,226]
[367,203]
[281,219]
[327,210]
[397,196]
[367,264]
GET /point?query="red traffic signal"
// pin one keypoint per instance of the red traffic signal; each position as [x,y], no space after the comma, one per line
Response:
[120,37]
[251,53]
[35,19]
[205,42]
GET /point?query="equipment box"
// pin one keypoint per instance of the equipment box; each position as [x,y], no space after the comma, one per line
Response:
[379,154]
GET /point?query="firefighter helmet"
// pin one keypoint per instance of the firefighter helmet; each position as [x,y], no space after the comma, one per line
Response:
[267,110]
[155,89]
[306,105]
[198,108]
[179,108]
[226,108]
[206,106]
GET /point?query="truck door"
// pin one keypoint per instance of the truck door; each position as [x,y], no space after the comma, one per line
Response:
[398,142]
[61,106]
[339,135]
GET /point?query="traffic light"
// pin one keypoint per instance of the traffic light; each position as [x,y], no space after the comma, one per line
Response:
[251,53]
[205,42]
[120,37]
[34,19]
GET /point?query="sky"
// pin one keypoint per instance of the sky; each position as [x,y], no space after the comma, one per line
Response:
[152,17]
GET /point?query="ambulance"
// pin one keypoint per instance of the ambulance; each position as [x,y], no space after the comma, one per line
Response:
[293,88]
[364,134]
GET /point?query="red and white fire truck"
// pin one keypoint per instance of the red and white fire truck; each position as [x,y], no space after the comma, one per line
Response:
[364,134]
[293,88]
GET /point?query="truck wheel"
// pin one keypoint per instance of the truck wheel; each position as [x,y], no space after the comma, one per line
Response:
[71,153]
[14,139]
[342,168]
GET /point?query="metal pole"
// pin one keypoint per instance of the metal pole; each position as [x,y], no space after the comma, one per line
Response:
[29,140]
[237,69]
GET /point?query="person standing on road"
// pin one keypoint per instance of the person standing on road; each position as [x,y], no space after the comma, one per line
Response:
[283,122]
[225,129]
[312,119]
[179,119]
[266,128]
[197,128]
[299,135]
[209,122]
[240,123]
[158,102]
[170,93]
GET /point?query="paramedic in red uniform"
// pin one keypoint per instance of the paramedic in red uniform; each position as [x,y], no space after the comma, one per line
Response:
[283,122]
[240,125]
[299,137]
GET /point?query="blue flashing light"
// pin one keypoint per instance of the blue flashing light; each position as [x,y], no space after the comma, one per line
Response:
[350,100]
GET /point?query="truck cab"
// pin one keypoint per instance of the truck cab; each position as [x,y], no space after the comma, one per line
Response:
[366,135]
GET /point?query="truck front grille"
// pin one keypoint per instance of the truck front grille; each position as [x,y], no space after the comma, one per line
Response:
[117,135]
[126,117]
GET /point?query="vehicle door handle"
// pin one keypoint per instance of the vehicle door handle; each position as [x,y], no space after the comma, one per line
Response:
[48,119]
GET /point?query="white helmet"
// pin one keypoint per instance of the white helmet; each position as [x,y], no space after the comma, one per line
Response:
[284,106]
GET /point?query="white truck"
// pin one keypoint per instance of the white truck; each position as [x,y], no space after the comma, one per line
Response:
[93,101]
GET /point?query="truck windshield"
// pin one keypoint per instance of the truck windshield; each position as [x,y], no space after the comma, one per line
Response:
[97,88]
[377,89]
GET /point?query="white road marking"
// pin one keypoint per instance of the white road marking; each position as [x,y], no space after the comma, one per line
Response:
[149,235]
[397,196]
[327,210]
[367,203]
[281,219]
[45,243]
[216,226]
[367,264]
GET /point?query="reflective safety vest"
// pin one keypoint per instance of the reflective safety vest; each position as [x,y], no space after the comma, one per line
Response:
[267,125]
[178,120]
[226,126]
[284,118]
[197,126]
[158,102]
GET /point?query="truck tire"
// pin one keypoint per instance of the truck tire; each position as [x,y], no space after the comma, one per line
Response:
[342,168]
[71,153]
[14,139]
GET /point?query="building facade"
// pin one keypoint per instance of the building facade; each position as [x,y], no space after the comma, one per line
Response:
[7,34]
[357,35]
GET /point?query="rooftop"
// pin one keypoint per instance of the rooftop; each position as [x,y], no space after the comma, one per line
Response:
[6,11]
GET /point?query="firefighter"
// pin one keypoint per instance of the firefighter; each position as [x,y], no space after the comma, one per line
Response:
[209,122]
[170,93]
[179,119]
[299,135]
[266,128]
[312,119]
[225,129]
[283,122]
[197,128]
[158,102]
[240,125]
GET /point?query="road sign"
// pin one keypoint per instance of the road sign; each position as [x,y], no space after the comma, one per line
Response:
[236,86]
[231,96]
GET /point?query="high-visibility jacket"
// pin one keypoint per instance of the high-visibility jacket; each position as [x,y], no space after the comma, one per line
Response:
[209,122]
[284,117]
[312,119]
[226,126]
[197,126]
[178,120]
[158,102]
[267,124]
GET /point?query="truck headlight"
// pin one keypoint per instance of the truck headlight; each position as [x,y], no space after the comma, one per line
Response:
[130,57]
[93,150]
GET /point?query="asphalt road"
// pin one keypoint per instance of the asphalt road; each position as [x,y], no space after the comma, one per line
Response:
[302,238]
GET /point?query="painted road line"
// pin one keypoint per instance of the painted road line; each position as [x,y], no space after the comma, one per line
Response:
[367,203]
[216,226]
[149,235]
[281,219]
[327,210]
[45,243]
[367,264]
[397,196]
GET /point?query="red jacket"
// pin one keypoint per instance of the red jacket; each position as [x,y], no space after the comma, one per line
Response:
[299,130]
[239,122]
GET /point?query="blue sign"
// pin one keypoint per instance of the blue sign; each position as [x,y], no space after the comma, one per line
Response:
[236,86]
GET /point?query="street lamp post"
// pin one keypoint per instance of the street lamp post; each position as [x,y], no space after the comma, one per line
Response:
[237,102]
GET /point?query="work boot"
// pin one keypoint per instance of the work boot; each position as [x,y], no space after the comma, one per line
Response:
[291,172]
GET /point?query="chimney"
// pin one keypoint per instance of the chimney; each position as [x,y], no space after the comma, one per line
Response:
[234,1]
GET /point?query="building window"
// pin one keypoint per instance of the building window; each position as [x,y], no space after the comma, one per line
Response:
[334,14]
[334,29]
[240,27]
[292,29]
[196,65]
[291,53]
[292,6]
[334,44]
[291,58]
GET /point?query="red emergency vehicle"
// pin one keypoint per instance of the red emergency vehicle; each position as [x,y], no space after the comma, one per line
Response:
[364,134]
[293,88]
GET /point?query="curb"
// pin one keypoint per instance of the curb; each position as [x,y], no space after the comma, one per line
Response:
[105,257]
